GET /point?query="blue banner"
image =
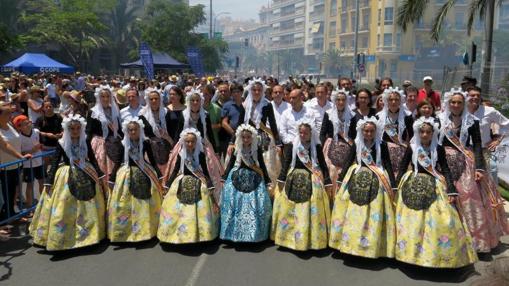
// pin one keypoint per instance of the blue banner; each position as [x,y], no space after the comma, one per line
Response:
[147,60]
[195,60]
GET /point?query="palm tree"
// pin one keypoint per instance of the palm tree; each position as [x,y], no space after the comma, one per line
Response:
[332,61]
[122,30]
[411,11]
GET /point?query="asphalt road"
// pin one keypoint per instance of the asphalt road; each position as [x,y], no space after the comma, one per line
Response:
[214,263]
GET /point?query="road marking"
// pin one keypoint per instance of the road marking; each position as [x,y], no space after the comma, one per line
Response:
[195,274]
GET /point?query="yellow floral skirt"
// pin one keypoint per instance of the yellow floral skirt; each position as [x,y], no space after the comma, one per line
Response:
[301,225]
[431,236]
[362,221]
[73,223]
[39,226]
[132,219]
[188,218]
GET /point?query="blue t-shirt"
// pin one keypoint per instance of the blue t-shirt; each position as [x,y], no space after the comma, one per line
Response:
[234,113]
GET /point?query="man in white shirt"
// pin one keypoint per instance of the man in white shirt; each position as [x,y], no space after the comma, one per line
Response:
[488,116]
[319,105]
[51,92]
[288,127]
[134,106]
[278,104]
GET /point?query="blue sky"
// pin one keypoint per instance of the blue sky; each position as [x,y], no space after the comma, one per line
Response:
[239,9]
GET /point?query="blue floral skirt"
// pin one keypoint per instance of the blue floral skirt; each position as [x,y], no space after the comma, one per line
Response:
[245,207]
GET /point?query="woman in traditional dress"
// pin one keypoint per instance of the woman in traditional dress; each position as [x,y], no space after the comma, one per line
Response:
[70,213]
[155,117]
[396,122]
[245,202]
[175,111]
[194,116]
[429,229]
[301,214]
[362,220]
[337,135]
[481,204]
[189,212]
[103,130]
[135,202]
[260,114]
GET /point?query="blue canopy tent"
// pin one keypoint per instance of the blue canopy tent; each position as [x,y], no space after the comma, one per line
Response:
[30,63]
[161,61]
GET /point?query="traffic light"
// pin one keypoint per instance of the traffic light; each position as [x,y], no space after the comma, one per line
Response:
[246,42]
[237,62]
[474,52]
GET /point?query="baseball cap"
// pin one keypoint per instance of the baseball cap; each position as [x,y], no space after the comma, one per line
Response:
[426,78]
[18,120]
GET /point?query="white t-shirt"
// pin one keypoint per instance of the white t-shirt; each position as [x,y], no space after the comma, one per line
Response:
[52,90]
[27,144]
[12,137]
[32,114]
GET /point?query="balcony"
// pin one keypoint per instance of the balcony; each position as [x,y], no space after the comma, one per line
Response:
[281,3]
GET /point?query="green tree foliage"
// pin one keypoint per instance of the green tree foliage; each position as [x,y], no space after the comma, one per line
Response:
[75,26]
[123,34]
[168,26]
[9,27]
[332,62]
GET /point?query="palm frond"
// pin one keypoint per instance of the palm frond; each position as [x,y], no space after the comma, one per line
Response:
[474,9]
[410,11]
[440,19]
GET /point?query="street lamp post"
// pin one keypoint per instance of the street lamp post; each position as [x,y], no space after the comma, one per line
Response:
[215,21]
[356,39]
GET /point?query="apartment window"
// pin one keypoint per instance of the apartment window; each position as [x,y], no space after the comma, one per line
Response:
[394,68]
[459,20]
[364,42]
[389,16]
[343,45]
[379,16]
[378,40]
[352,22]
[387,39]
[343,5]
[332,29]
[398,40]
[365,20]
[333,7]
[343,24]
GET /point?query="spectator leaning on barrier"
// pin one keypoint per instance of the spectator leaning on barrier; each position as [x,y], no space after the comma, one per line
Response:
[9,176]
[50,126]
[30,144]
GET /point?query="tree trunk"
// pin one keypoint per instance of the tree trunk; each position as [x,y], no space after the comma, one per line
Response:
[488,46]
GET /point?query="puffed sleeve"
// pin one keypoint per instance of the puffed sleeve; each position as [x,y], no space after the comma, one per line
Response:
[147,150]
[352,154]
[444,167]
[149,132]
[54,161]
[327,130]
[93,160]
[287,161]
[175,172]
[475,133]
[231,163]
[323,166]
[205,170]
[268,114]
[352,130]
[210,133]
[266,177]
[386,162]
[403,165]
[409,129]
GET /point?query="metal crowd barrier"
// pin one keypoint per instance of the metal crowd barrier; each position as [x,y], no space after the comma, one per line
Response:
[23,210]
